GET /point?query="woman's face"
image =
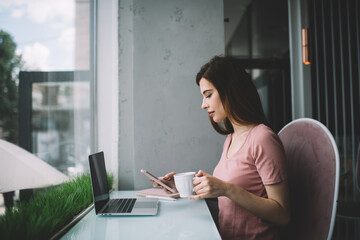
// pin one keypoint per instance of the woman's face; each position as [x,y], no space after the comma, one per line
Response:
[211,101]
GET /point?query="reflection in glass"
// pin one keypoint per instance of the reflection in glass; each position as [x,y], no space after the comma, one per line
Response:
[61,124]
[55,122]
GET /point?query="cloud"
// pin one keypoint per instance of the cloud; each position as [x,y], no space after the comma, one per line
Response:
[36,57]
[41,11]
[56,16]
[17,13]
[67,39]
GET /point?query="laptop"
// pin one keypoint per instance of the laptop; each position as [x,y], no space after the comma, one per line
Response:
[121,206]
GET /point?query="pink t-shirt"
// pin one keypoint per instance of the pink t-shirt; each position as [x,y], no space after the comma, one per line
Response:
[258,162]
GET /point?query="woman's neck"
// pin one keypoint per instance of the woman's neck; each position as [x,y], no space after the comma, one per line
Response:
[240,129]
[238,138]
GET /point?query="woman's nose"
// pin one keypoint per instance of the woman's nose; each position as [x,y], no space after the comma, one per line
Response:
[204,104]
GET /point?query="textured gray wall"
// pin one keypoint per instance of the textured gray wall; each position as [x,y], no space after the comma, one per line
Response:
[162,45]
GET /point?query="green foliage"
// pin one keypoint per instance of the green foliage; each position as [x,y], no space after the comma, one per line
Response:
[10,64]
[48,212]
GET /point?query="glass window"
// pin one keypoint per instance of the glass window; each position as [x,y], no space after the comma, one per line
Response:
[53,79]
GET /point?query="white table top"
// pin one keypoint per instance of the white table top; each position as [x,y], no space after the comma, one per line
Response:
[180,219]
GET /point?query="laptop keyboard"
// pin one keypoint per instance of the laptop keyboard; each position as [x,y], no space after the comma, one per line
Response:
[122,205]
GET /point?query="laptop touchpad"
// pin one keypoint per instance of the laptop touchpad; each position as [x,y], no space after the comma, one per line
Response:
[149,204]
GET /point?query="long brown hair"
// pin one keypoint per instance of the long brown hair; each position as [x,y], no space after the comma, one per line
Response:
[238,93]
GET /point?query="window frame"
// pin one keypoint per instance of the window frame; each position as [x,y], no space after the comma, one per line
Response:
[106,89]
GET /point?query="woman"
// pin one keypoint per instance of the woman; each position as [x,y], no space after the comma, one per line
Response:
[250,178]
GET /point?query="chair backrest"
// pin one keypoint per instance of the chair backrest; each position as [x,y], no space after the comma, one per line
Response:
[312,161]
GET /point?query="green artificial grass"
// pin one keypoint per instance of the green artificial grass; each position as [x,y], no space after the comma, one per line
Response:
[48,211]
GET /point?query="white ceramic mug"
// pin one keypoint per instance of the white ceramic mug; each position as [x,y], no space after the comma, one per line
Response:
[184,183]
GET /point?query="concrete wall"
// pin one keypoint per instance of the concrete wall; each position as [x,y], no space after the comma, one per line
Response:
[162,45]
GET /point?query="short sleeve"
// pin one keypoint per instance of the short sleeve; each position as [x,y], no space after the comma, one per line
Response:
[269,156]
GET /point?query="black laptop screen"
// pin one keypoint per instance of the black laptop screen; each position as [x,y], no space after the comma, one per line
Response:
[99,180]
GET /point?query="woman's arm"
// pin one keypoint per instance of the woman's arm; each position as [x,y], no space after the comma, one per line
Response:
[275,208]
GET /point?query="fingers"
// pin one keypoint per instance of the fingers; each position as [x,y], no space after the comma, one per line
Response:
[201,188]
[194,197]
[204,178]
[169,176]
[155,184]
[199,177]
[168,179]
[201,173]
[208,186]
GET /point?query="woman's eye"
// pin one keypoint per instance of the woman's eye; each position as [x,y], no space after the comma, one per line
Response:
[208,96]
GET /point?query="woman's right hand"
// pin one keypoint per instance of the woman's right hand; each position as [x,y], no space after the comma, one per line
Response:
[168,179]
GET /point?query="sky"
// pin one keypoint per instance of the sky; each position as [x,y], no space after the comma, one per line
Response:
[44,31]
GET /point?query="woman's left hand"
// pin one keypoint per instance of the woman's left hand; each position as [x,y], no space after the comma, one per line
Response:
[207,186]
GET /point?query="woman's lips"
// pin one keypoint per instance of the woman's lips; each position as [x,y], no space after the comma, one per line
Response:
[211,113]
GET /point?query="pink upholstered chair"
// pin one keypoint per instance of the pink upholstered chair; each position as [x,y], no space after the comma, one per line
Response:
[313,173]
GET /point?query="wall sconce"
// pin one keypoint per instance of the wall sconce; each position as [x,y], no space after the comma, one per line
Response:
[305,46]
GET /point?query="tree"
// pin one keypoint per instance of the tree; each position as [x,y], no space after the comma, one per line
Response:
[10,64]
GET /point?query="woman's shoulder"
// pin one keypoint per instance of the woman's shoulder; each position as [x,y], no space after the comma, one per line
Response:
[262,129]
[263,139]
[262,133]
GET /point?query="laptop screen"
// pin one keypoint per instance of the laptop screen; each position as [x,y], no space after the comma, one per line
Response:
[99,180]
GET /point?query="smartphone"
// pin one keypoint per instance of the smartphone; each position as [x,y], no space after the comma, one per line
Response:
[155,179]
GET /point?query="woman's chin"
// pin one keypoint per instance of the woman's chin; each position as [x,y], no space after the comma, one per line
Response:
[217,120]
